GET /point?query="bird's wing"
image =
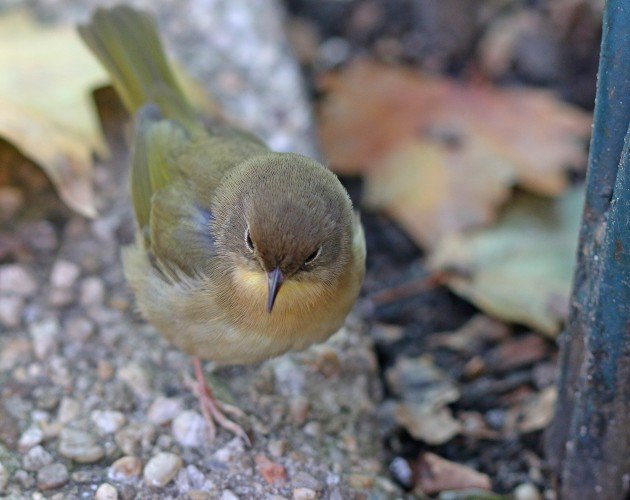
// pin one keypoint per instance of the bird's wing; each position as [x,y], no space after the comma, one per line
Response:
[176,229]
[181,230]
[158,143]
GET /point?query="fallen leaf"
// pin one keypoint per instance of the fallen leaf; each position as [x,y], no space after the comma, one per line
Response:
[535,414]
[516,353]
[434,474]
[521,269]
[426,391]
[46,75]
[272,472]
[471,337]
[475,426]
[432,424]
[441,157]
[418,380]
[65,158]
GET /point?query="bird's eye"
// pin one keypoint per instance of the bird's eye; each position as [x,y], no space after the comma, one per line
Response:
[313,256]
[248,241]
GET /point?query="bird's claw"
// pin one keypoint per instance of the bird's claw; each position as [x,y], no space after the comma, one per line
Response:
[214,410]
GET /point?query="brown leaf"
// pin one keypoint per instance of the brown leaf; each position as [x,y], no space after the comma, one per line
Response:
[516,353]
[434,474]
[471,337]
[441,157]
[272,472]
[536,414]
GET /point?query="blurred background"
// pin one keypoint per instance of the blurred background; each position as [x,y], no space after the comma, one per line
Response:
[459,127]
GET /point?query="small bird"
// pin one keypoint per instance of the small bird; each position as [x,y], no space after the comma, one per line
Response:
[241,253]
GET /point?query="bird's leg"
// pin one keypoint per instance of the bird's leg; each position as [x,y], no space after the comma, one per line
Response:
[214,410]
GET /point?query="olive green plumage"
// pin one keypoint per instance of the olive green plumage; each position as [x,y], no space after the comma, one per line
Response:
[219,215]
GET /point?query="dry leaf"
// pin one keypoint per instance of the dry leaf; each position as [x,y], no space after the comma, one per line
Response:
[434,474]
[46,112]
[432,424]
[441,157]
[426,391]
[471,337]
[536,414]
[65,158]
[521,269]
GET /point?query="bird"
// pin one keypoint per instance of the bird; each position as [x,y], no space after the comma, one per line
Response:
[241,253]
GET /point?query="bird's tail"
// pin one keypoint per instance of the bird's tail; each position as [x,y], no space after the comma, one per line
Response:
[127,43]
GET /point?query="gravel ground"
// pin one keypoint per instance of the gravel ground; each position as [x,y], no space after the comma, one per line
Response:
[94,402]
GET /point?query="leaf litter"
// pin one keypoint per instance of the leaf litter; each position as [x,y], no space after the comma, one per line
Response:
[442,157]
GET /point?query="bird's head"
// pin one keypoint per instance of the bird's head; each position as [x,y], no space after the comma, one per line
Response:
[284,223]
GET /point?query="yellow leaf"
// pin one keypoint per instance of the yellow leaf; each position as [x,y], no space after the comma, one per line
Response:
[46,111]
[63,156]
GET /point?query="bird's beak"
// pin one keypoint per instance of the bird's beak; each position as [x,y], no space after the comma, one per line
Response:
[275,279]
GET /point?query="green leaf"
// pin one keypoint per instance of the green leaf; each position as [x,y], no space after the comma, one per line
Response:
[519,270]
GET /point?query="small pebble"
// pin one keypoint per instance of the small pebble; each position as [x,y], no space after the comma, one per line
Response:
[136,378]
[24,479]
[313,429]
[84,476]
[298,409]
[4,477]
[30,437]
[161,469]
[36,458]
[79,328]
[105,370]
[125,468]
[304,494]
[526,491]
[11,308]
[200,495]
[60,297]
[64,274]
[91,291]
[15,351]
[305,480]
[189,428]
[191,479]
[15,279]
[44,335]
[133,438]
[79,446]
[277,447]
[163,410]
[68,410]
[106,492]
[108,421]
[230,451]
[228,495]
[52,476]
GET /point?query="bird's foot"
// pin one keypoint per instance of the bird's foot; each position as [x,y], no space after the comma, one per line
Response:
[213,410]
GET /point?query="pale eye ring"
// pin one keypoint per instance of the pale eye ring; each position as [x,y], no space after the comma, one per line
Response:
[313,256]
[248,241]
